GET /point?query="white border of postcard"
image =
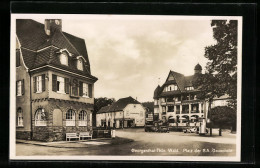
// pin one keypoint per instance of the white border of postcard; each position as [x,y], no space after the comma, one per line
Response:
[12,147]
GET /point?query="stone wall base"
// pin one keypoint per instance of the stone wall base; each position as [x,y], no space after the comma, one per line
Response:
[25,135]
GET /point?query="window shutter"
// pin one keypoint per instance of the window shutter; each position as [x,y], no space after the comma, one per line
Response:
[43,82]
[77,88]
[34,84]
[54,82]
[67,85]
[17,57]
[80,88]
[90,90]
[23,87]
[17,87]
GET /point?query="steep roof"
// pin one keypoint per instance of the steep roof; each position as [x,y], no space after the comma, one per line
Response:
[157,92]
[104,109]
[119,105]
[28,57]
[149,105]
[179,79]
[39,49]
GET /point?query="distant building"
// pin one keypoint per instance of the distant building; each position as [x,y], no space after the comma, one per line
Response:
[149,114]
[176,101]
[126,112]
[54,85]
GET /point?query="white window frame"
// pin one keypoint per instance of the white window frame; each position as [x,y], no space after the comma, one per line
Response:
[61,86]
[85,90]
[64,59]
[70,118]
[83,118]
[39,121]
[80,64]
[19,88]
[20,117]
[38,84]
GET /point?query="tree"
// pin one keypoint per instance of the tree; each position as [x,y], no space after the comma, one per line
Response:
[223,57]
[223,117]
[98,104]
[220,77]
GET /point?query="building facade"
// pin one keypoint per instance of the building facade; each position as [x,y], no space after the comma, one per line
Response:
[126,112]
[54,85]
[176,101]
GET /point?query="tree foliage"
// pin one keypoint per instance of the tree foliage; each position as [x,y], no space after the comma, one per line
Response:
[221,70]
[223,117]
[99,103]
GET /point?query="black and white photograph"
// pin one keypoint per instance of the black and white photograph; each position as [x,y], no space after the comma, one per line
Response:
[125,87]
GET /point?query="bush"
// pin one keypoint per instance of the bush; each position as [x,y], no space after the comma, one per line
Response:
[223,117]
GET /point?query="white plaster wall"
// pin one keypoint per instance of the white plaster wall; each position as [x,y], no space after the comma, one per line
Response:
[136,111]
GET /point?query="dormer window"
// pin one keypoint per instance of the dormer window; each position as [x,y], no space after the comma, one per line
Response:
[80,64]
[64,59]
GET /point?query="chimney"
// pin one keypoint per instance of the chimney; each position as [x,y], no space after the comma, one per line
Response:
[52,24]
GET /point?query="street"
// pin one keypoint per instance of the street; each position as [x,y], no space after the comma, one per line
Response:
[147,144]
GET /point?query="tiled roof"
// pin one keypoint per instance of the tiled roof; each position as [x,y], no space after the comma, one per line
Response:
[28,57]
[32,36]
[103,109]
[149,105]
[188,80]
[80,46]
[119,105]
[157,92]
[30,33]
[181,81]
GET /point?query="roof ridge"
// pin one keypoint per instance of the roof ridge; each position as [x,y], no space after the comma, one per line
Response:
[70,42]
[73,35]
[177,73]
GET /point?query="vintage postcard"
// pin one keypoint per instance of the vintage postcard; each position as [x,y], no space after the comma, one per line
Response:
[125,87]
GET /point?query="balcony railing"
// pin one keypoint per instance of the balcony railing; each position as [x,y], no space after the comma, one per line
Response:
[170,103]
[195,111]
[178,111]
[170,111]
[163,103]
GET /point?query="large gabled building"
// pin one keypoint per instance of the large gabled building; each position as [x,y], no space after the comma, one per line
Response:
[126,112]
[54,85]
[176,101]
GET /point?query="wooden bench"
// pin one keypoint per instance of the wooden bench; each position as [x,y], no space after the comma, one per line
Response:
[71,136]
[85,135]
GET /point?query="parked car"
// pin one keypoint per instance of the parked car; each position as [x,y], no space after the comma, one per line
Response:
[193,130]
[149,127]
[163,129]
[190,130]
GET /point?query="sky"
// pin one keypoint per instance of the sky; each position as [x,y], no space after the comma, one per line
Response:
[131,55]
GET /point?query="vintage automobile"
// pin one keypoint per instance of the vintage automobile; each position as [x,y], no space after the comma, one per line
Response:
[149,127]
[193,130]
[190,130]
[156,126]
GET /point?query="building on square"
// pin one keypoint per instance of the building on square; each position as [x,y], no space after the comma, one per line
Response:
[54,85]
[176,102]
[126,112]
